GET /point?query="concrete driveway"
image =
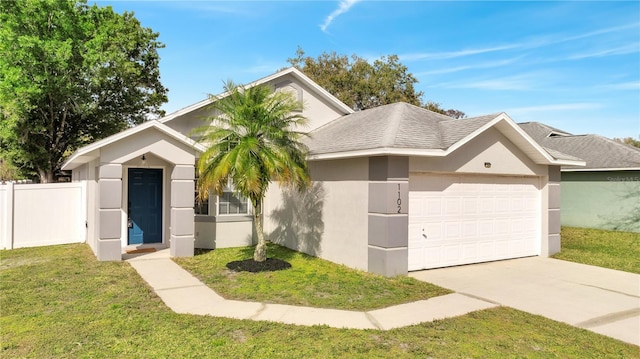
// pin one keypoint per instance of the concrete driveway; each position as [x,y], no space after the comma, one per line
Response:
[601,300]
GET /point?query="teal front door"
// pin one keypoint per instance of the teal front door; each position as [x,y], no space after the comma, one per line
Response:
[145,205]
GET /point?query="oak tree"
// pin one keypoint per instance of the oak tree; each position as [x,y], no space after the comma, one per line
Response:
[71,74]
[629,141]
[362,84]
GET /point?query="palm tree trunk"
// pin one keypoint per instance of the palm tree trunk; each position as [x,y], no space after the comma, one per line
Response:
[260,253]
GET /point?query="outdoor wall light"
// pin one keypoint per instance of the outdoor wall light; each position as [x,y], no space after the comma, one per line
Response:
[487,165]
[144,160]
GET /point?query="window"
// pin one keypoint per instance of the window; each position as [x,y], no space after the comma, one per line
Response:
[229,203]
[232,203]
[201,207]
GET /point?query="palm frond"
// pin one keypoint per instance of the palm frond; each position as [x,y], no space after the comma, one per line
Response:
[254,139]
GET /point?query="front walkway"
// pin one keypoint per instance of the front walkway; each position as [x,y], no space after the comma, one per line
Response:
[185,294]
[601,300]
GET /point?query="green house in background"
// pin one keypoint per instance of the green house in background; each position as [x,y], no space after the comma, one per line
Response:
[606,192]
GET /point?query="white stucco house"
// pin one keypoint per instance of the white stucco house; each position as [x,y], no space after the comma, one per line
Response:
[394,189]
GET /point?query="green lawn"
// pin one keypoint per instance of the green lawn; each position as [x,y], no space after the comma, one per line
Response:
[309,282]
[608,249]
[59,302]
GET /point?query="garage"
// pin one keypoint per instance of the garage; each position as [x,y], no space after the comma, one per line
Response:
[457,219]
[405,189]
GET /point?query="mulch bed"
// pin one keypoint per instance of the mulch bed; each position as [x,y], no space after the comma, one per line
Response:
[249,265]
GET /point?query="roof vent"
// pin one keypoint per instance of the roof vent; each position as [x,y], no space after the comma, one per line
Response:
[557,134]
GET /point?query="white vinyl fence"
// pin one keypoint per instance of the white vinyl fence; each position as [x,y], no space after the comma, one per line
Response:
[34,215]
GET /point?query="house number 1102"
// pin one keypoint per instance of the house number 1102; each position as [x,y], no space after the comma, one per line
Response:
[399,201]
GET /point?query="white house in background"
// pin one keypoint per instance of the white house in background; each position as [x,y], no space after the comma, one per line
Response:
[394,188]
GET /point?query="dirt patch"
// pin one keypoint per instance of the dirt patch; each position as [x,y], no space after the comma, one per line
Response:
[17,262]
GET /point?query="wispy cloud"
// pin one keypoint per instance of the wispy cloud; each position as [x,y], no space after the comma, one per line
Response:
[524,82]
[599,32]
[503,84]
[343,7]
[622,50]
[632,85]
[454,54]
[532,43]
[554,39]
[555,107]
[484,65]
[213,8]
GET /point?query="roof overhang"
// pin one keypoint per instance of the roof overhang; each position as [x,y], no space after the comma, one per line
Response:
[521,139]
[599,169]
[92,151]
[501,122]
[382,151]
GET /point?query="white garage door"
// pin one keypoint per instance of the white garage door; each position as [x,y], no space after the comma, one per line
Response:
[467,219]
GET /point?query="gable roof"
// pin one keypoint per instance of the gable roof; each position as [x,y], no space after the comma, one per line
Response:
[321,92]
[379,127]
[404,129]
[90,152]
[599,153]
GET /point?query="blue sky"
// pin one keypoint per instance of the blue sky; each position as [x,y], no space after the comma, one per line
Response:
[574,65]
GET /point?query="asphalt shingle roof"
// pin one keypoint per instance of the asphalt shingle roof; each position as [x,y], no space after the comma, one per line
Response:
[597,151]
[398,125]
[454,130]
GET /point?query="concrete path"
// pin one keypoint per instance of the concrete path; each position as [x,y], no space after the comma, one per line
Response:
[601,300]
[183,293]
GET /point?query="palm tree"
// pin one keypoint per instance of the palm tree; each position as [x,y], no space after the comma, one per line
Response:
[251,140]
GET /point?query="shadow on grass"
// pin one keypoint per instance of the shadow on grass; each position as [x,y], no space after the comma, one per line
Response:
[201,251]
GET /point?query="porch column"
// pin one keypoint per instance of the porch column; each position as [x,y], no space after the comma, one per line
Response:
[182,214]
[109,246]
[388,215]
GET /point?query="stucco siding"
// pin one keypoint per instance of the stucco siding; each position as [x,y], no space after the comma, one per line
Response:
[550,209]
[606,200]
[330,219]
[149,141]
[234,234]
[189,121]
[316,109]
[87,173]
[210,234]
[492,148]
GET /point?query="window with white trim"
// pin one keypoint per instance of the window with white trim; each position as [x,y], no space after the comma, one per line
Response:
[231,203]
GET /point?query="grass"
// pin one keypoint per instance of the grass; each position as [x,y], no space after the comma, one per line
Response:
[310,282]
[608,249]
[59,302]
